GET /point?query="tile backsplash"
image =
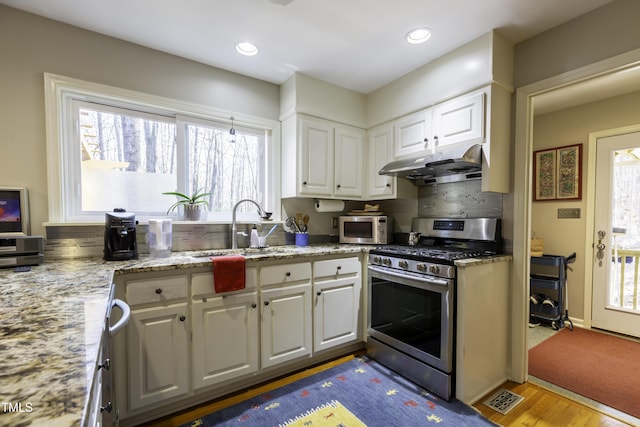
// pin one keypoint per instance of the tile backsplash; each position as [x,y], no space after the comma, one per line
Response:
[87,241]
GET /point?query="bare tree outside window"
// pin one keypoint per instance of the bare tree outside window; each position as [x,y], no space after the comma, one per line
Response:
[129,160]
[229,170]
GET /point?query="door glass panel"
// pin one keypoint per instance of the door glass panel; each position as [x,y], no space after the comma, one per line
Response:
[625,240]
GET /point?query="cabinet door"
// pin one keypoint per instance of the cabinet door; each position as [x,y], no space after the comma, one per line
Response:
[459,120]
[349,162]
[412,134]
[286,323]
[157,348]
[380,153]
[336,286]
[316,158]
[225,338]
[336,311]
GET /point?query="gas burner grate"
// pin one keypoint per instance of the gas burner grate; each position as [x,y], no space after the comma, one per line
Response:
[503,401]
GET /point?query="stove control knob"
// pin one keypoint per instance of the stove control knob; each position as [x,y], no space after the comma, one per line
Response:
[434,269]
[377,260]
[386,261]
[422,267]
[403,264]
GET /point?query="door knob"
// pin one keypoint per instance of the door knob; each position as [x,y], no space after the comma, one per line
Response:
[600,247]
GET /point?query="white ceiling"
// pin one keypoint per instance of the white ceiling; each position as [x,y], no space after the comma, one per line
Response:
[356,44]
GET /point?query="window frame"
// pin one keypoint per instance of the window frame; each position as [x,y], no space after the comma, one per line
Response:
[60,90]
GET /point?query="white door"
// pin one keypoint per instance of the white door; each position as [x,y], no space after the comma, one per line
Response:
[316,170]
[335,315]
[286,324]
[459,120]
[158,365]
[349,162]
[380,153]
[412,134]
[225,338]
[616,305]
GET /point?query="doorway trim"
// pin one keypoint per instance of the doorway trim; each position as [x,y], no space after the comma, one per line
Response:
[522,181]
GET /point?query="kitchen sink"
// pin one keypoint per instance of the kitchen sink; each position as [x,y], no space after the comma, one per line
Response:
[247,252]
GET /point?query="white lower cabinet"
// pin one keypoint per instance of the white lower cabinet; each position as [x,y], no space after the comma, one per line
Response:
[336,287]
[185,340]
[225,338]
[158,354]
[285,304]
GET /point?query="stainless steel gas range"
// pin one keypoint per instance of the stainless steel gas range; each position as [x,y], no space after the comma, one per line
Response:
[412,295]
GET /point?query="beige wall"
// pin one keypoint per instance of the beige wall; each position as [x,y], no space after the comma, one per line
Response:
[605,32]
[568,127]
[31,45]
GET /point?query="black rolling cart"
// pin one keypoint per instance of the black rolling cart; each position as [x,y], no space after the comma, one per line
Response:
[548,286]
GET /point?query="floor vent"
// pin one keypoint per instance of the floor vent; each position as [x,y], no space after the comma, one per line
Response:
[503,401]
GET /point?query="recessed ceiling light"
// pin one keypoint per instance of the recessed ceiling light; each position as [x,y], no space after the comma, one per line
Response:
[419,35]
[246,48]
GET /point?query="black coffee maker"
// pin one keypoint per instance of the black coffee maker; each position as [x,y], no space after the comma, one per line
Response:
[120,236]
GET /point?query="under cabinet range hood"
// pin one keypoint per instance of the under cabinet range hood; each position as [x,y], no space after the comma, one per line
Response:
[461,162]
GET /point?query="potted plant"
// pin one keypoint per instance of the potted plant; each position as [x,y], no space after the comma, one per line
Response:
[192,204]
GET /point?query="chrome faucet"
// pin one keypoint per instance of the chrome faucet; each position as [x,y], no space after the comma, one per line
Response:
[234,227]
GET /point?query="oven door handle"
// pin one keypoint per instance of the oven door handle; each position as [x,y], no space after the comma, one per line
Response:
[126,314]
[430,280]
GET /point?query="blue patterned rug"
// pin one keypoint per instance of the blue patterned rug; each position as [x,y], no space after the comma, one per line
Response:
[360,392]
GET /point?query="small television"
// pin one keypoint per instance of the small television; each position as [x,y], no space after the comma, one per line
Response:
[14,211]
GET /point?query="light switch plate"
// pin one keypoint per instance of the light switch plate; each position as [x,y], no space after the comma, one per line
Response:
[569,213]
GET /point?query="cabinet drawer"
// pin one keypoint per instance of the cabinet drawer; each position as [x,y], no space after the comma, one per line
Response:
[288,273]
[156,290]
[336,267]
[202,283]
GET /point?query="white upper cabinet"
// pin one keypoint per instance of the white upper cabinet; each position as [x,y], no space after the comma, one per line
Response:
[380,153]
[349,162]
[321,158]
[459,120]
[316,158]
[413,134]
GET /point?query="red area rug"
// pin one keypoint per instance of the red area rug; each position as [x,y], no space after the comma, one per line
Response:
[601,367]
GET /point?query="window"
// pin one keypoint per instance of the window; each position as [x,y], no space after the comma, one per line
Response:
[111,148]
[229,166]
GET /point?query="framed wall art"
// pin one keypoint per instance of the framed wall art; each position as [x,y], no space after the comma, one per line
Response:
[544,175]
[558,173]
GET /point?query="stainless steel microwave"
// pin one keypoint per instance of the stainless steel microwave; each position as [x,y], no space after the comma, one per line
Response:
[366,229]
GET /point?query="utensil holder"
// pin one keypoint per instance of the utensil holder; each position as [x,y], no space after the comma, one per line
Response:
[302,239]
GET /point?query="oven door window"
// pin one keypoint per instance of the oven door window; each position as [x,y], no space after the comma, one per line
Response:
[409,314]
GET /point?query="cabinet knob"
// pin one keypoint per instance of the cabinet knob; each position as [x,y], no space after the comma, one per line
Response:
[426,143]
[107,408]
[158,291]
[254,305]
[319,293]
[339,267]
[436,140]
[182,318]
[104,365]
[338,186]
[288,274]
[266,303]
[388,185]
[304,183]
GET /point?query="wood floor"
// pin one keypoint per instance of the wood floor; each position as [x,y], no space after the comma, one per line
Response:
[540,408]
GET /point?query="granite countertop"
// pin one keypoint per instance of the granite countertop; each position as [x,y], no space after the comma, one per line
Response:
[51,320]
